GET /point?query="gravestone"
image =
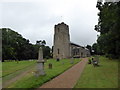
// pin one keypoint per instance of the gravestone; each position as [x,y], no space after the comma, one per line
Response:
[50,65]
[71,61]
[40,63]
[57,59]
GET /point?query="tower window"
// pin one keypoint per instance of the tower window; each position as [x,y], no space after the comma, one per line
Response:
[58,51]
[58,29]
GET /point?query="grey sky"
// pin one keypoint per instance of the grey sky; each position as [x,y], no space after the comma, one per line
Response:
[35,20]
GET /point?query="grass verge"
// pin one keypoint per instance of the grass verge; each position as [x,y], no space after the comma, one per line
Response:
[11,67]
[104,76]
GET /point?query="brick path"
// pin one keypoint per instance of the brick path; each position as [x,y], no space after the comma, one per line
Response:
[69,78]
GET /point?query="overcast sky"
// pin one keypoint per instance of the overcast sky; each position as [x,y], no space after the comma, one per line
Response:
[35,20]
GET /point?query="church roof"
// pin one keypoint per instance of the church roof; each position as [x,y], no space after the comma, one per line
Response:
[76,44]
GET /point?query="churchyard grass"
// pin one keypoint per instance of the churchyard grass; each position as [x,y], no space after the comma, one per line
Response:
[0,69]
[11,67]
[104,76]
[31,81]
[18,72]
[0,74]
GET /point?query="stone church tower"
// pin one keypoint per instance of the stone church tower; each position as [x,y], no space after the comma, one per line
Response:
[61,48]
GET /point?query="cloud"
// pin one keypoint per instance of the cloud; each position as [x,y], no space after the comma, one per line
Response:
[35,20]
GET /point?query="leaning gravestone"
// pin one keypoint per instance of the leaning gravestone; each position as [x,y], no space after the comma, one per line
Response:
[40,63]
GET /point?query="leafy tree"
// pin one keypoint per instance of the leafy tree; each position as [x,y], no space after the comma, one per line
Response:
[15,47]
[43,42]
[109,28]
[96,49]
[46,49]
[46,52]
[90,48]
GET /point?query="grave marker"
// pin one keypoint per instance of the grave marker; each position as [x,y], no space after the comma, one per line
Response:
[40,63]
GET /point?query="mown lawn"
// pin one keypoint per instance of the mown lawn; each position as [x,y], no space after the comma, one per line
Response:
[12,67]
[31,81]
[104,76]
[0,69]
[0,75]
[8,77]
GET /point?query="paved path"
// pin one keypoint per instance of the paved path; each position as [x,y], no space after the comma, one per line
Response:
[69,78]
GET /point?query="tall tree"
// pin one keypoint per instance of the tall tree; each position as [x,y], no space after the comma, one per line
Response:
[109,28]
[89,48]
[15,47]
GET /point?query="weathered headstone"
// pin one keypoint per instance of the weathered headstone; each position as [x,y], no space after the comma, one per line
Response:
[50,65]
[40,63]
[71,61]
[57,59]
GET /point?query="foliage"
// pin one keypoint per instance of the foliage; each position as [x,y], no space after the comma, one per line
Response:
[89,48]
[41,43]
[104,76]
[15,47]
[109,27]
[97,49]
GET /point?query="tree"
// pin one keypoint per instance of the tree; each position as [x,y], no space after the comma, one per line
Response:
[109,28]
[39,42]
[89,48]
[15,47]
[46,52]
[46,49]
[43,42]
[96,49]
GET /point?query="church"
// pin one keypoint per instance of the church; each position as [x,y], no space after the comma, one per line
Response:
[63,48]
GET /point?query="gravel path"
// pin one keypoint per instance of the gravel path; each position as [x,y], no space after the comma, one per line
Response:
[69,78]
